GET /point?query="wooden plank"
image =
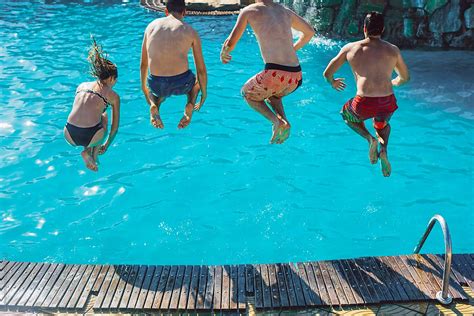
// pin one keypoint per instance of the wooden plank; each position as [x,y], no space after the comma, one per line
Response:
[147,293]
[249,280]
[416,265]
[159,291]
[359,284]
[241,284]
[129,287]
[63,290]
[282,288]
[225,292]
[258,287]
[352,297]
[104,286]
[466,266]
[405,279]
[62,279]
[100,278]
[206,280]
[290,287]
[9,271]
[313,284]
[33,288]
[193,288]
[455,289]
[46,287]
[83,290]
[69,290]
[217,299]
[396,279]
[233,288]
[341,295]
[28,277]
[333,299]
[378,273]
[168,290]
[417,280]
[275,292]
[367,280]
[186,288]
[3,263]
[266,290]
[12,281]
[177,288]
[385,267]
[309,295]
[123,277]
[454,268]
[201,294]
[137,286]
[322,291]
[109,296]
[297,285]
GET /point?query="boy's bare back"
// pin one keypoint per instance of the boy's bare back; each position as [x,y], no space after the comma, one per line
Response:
[168,43]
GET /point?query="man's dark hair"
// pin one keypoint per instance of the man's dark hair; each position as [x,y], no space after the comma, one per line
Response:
[373,23]
[177,6]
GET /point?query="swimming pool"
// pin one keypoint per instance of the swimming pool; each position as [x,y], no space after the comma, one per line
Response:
[217,192]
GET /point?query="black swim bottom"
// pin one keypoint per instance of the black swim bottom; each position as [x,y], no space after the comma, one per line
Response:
[82,136]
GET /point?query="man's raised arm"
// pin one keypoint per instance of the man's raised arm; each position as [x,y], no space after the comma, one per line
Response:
[334,66]
[144,69]
[234,36]
[200,69]
[300,24]
[402,71]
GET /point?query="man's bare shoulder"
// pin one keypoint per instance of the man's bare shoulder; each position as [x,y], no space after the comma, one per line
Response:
[153,24]
[392,47]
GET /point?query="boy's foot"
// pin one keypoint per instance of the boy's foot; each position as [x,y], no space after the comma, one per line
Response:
[386,167]
[280,132]
[186,119]
[88,160]
[373,154]
[155,118]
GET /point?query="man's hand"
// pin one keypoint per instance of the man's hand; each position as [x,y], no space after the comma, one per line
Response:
[198,106]
[396,82]
[225,56]
[338,84]
[103,149]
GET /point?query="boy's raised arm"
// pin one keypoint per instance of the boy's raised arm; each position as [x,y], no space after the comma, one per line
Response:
[144,68]
[234,36]
[301,25]
[200,69]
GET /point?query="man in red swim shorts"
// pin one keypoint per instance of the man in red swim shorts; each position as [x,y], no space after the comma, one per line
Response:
[373,61]
[272,24]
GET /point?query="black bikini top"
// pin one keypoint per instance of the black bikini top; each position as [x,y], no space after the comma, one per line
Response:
[107,103]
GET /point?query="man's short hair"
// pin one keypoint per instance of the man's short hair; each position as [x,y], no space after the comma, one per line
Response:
[374,24]
[177,6]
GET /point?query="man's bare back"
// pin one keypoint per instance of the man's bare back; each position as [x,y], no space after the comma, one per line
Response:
[168,43]
[372,64]
[272,23]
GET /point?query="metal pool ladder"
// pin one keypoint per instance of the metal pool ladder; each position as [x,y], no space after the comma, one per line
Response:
[442,296]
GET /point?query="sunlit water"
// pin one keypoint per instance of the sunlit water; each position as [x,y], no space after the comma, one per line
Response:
[217,192]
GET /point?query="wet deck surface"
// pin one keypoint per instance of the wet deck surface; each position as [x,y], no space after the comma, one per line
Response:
[348,283]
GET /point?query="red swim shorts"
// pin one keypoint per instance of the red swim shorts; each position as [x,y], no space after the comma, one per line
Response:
[359,109]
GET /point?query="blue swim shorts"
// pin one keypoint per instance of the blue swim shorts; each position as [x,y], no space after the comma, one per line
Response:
[163,87]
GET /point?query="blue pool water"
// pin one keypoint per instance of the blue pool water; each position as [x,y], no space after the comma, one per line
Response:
[217,192]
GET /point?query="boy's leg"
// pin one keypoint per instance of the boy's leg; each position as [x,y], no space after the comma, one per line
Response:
[359,127]
[277,106]
[382,130]
[188,109]
[155,118]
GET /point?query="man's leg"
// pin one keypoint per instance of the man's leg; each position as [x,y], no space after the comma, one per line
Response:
[155,118]
[277,106]
[383,133]
[188,109]
[359,128]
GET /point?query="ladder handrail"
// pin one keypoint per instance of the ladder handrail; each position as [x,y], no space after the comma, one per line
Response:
[442,296]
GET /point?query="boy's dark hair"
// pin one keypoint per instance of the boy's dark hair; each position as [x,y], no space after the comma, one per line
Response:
[177,6]
[374,23]
[100,67]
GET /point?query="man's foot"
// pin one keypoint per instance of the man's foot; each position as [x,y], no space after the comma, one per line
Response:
[155,118]
[386,167]
[373,154]
[88,160]
[186,119]
[280,132]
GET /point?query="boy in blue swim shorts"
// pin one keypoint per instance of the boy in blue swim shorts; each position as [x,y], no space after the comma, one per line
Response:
[164,68]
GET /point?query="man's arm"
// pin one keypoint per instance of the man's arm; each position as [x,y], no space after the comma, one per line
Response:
[115,101]
[300,24]
[144,68]
[334,66]
[234,36]
[402,71]
[200,69]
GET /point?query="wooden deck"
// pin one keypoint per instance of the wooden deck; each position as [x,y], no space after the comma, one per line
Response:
[45,287]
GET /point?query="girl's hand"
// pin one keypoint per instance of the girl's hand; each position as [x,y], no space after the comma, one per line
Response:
[102,149]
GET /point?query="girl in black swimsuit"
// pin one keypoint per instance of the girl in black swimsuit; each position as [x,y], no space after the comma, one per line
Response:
[91,137]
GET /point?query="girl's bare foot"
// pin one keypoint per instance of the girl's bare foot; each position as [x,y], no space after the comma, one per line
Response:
[155,118]
[386,167]
[373,154]
[88,160]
